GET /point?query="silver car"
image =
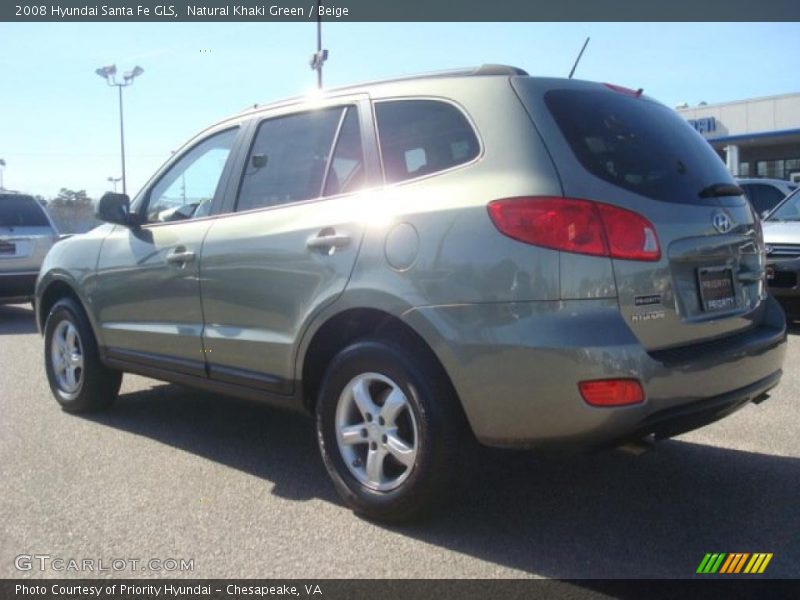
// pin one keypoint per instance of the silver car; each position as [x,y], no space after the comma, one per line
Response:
[479,254]
[26,235]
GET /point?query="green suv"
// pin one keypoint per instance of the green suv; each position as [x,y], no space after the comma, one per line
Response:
[421,262]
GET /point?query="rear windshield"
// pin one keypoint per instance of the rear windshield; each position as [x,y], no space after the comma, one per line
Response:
[636,144]
[21,211]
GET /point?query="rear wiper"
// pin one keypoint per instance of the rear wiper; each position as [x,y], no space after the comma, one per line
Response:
[715,190]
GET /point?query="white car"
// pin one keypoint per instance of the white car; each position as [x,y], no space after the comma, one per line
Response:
[765,194]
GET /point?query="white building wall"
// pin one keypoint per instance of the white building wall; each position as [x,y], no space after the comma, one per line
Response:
[760,115]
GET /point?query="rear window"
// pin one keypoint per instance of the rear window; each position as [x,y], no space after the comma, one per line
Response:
[21,211]
[636,144]
[419,137]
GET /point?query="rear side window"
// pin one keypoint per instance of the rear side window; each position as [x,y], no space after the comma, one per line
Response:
[419,137]
[636,144]
[21,211]
[288,159]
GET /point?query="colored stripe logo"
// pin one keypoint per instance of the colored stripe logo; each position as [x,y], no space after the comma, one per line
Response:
[734,563]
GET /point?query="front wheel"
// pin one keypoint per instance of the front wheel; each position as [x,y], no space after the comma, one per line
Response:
[78,380]
[388,426]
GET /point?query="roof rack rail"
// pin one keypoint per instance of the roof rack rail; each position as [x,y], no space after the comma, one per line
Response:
[480,70]
[491,69]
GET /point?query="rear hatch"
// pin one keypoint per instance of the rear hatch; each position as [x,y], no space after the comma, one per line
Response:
[25,233]
[616,146]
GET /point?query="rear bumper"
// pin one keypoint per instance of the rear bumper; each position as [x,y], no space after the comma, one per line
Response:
[687,417]
[17,287]
[516,368]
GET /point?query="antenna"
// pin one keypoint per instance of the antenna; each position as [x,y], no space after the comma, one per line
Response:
[577,60]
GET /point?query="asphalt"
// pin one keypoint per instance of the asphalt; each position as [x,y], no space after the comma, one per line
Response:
[239,489]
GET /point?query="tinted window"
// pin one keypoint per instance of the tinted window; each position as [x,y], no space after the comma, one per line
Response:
[346,172]
[636,144]
[187,190]
[21,211]
[423,136]
[763,197]
[288,159]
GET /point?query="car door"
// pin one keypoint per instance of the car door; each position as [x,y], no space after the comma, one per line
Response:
[146,294]
[289,245]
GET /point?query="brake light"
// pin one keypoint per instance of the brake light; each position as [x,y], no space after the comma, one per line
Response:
[611,392]
[630,236]
[624,90]
[579,226]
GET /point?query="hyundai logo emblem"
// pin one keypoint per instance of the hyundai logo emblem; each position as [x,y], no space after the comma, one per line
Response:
[721,221]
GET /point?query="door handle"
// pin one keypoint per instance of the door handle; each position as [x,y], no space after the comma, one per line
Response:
[328,241]
[180,257]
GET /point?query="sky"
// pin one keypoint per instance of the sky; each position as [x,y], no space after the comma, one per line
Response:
[59,121]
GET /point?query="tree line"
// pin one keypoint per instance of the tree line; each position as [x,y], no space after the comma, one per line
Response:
[71,210]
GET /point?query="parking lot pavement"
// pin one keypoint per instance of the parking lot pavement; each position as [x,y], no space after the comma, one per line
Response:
[240,489]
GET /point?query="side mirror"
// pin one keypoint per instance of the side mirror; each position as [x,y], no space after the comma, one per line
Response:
[115,208]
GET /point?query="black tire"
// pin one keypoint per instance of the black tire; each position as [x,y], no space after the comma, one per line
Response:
[440,426]
[98,385]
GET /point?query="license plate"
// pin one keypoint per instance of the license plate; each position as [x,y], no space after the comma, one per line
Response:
[716,288]
[7,248]
[770,272]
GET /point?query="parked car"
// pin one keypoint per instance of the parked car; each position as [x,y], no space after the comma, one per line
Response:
[480,254]
[782,238]
[765,194]
[26,234]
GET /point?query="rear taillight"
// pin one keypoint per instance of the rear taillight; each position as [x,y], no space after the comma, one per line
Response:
[624,90]
[580,226]
[611,392]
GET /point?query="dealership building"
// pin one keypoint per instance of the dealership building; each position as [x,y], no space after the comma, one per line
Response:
[755,138]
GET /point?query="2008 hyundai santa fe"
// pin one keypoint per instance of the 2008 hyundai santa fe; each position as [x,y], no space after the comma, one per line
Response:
[524,261]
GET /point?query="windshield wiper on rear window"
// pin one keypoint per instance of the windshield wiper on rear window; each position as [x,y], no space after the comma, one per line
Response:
[715,190]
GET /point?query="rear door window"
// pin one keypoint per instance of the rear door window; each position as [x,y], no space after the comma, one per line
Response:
[636,144]
[346,171]
[289,158]
[419,137]
[21,211]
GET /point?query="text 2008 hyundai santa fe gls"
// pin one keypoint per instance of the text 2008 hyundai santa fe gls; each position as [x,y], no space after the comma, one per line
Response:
[533,262]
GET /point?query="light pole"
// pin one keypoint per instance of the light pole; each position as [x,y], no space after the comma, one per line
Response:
[320,56]
[114,180]
[109,74]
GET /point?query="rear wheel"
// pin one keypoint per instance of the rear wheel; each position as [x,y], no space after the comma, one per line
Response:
[78,380]
[388,427]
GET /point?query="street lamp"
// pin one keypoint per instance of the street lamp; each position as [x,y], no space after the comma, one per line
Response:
[109,74]
[320,56]
[114,180]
